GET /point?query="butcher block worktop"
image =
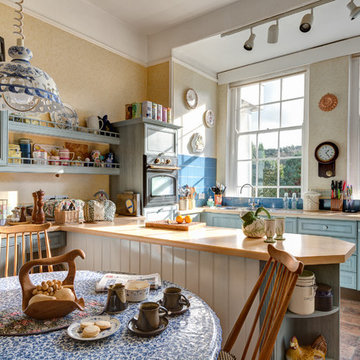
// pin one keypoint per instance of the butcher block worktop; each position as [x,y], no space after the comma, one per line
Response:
[310,249]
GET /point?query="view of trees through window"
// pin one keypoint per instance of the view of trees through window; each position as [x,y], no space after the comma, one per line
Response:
[269,117]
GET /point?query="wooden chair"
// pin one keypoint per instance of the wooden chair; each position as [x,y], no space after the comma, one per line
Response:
[280,273]
[20,231]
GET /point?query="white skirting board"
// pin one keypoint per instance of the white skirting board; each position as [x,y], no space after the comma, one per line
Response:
[224,282]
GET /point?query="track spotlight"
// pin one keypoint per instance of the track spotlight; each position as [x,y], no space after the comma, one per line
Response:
[273,33]
[354,10]
[249,43]
[306,22]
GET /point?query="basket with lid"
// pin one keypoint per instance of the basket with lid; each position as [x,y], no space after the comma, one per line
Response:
[66,213]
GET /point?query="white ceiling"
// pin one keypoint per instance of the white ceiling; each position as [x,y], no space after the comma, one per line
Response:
[152,16]
[216,54]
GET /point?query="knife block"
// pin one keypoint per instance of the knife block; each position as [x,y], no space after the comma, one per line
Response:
[337,204]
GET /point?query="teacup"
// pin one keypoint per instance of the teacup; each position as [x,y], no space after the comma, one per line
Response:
[269,230]
[173,299]
[279,228]
[149,316]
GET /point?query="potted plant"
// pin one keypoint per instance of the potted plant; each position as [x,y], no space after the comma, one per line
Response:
[254,226]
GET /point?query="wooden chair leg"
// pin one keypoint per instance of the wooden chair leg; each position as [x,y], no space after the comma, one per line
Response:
[7,256]
[15,254]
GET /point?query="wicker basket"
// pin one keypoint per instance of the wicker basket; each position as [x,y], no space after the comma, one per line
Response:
[66,216]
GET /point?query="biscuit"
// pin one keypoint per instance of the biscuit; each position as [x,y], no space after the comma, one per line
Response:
[84,324]
[103,324]
[91,331]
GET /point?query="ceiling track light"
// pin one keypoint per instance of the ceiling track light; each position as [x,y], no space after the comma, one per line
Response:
[306,22]
[249,43]
[354,10]
[273,33]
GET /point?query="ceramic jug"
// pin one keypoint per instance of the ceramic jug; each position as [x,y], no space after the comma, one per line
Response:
[93,122]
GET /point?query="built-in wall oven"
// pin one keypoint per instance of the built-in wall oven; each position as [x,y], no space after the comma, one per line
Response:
[160,180]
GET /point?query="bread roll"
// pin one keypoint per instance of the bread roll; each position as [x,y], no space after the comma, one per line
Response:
[40,297]
[64,294]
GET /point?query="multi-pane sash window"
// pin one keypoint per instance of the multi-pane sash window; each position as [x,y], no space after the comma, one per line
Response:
[267,124]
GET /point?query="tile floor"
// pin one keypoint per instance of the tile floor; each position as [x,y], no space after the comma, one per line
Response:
[350,325]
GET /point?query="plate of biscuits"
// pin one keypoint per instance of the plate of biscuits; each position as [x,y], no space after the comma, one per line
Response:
[93,328]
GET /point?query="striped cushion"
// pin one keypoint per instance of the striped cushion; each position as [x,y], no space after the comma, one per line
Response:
[225,356]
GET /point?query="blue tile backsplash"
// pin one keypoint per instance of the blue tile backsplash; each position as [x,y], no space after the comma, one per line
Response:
[265,202]
[199,172]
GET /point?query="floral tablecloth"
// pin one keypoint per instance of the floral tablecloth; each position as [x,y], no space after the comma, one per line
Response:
[194,335]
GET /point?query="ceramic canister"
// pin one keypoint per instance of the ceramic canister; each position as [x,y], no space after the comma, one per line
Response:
[154,111]
[302,301]
[147,109]
[65,154]
[159,112]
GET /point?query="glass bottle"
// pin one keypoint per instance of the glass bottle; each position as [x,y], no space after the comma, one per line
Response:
[286,201]
[294,202]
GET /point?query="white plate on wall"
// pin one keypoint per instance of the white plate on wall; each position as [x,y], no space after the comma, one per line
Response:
[66,118]
[74,330]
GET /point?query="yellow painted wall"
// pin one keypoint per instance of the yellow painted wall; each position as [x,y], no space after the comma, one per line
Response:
[91,79]
[331,76]
[158,84]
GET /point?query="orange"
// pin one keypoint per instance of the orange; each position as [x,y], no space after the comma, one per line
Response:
[179,219]
[188,219]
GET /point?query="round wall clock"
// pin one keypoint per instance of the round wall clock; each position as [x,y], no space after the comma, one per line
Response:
[191,98]
[326,153]
[209,118]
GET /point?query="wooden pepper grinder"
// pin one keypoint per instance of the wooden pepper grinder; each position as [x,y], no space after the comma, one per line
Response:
[40,215]
[33,218]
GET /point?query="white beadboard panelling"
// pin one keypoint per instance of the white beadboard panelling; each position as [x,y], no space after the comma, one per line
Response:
[155,260]
[221,289]
[192,270]
[106,252]
[167,263]
[134,257]
[125,256]
[145,255]
[115,257]
[179,269]
[206,277]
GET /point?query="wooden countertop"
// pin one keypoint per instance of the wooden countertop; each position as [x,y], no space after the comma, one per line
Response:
[310,249]
[321,214]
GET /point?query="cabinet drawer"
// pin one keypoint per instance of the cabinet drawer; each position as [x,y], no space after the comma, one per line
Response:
[222,220]
[350,264]
[348,279]
[335,228]
[291,225]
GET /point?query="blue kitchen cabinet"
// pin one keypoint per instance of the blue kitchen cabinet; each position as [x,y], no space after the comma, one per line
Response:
[222,220]
[291,225]
[340,229]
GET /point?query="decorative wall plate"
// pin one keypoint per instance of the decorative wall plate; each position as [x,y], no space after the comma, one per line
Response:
[197,143]
[209,118]
[191,98]
[328,102]
[66,118]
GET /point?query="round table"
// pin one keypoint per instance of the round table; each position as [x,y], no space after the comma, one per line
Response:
[193,335]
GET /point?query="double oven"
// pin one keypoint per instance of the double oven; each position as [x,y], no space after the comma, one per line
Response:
[160,173]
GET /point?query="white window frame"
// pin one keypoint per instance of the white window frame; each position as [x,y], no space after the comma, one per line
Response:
[231,164]
[353,154]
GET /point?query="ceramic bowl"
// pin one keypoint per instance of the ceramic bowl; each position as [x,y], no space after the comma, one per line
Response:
[137,290]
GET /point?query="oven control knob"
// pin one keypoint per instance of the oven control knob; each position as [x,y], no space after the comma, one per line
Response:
[168,161]
[157,161]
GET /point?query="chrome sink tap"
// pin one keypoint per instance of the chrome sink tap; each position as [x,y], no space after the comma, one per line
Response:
[251,202]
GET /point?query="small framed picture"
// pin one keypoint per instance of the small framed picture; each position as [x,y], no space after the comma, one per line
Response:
[2,49]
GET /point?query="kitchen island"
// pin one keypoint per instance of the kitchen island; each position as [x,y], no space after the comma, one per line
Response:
[221,265]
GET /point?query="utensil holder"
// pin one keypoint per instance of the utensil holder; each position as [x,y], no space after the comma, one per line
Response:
[337,204]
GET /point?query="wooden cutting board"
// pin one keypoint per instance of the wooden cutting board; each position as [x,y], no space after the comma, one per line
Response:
[163,224]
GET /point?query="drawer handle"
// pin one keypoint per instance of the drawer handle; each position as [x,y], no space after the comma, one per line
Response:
[325,227]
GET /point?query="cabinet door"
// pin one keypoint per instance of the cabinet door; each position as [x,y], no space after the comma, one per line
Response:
[223,220]
[159,140]
[291,225]
[3,137]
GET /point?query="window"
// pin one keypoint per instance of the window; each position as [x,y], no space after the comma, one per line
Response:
[266,130]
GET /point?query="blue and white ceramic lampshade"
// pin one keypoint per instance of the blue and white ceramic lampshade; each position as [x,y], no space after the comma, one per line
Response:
[23,87]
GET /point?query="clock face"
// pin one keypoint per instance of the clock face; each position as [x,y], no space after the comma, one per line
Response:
[326,152]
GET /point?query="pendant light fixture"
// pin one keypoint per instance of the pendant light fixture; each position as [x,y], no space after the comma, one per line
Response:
[249,43]
[273,33]
[23,87]
[306,22]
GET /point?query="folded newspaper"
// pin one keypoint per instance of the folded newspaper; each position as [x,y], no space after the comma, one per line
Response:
[111,279]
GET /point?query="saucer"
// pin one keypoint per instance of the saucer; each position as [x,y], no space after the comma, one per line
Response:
[184,308]
[163,325]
